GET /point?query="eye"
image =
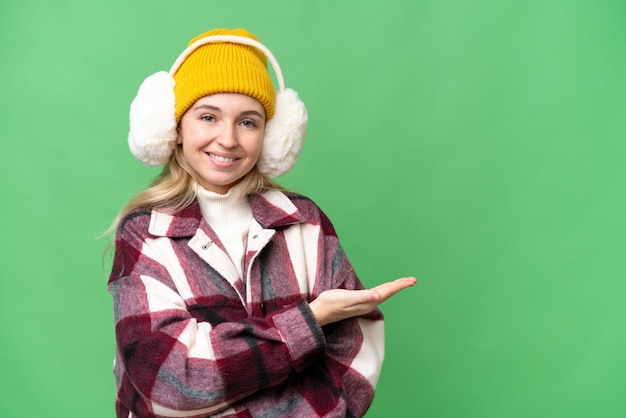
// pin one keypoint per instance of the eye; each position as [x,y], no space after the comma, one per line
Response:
[207,118]
[248,123]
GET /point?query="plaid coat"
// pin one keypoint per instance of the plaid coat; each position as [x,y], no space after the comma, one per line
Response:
[195,340]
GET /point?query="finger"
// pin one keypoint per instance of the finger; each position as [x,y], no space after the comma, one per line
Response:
[387,290]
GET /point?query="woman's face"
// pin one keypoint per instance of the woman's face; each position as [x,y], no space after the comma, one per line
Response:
[221,136]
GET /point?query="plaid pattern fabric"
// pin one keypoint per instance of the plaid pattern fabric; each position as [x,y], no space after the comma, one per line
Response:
[195,340]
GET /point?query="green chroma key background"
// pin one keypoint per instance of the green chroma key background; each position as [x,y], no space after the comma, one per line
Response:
[478,145]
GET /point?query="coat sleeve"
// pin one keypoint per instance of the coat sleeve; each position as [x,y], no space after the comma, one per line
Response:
[354,347]
[168,362]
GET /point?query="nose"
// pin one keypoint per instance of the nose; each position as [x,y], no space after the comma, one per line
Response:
[228,137]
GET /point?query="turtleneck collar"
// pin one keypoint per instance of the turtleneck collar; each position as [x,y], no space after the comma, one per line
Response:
[224,209]
[229,215]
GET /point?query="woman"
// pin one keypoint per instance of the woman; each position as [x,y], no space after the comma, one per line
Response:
[232,296]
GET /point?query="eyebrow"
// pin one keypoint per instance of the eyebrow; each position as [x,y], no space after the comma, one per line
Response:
[217,109]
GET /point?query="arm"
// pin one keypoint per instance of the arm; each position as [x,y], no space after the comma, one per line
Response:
[352,323]
[350,317]
[175,362]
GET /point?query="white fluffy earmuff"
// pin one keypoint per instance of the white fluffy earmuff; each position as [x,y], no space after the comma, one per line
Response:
[152,135]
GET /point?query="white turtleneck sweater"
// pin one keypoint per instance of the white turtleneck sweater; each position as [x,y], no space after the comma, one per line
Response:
[229,215]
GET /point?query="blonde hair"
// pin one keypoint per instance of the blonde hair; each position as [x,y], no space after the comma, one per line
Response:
[175,189]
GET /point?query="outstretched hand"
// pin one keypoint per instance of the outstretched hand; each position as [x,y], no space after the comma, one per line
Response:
[336,304]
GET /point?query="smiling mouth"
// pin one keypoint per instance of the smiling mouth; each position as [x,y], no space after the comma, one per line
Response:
[222,159]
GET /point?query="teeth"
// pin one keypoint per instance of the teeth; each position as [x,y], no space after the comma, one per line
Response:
[222,159]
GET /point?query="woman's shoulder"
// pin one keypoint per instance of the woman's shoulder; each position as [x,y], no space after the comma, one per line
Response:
[161,222]
[303,203]
[276,205]
[137,213]
[312,212]
[135,222]
[301,199]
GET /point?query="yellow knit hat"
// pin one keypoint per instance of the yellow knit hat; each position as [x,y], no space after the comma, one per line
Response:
[224,68]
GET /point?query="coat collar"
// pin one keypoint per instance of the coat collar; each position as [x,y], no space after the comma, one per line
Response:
[271,209]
